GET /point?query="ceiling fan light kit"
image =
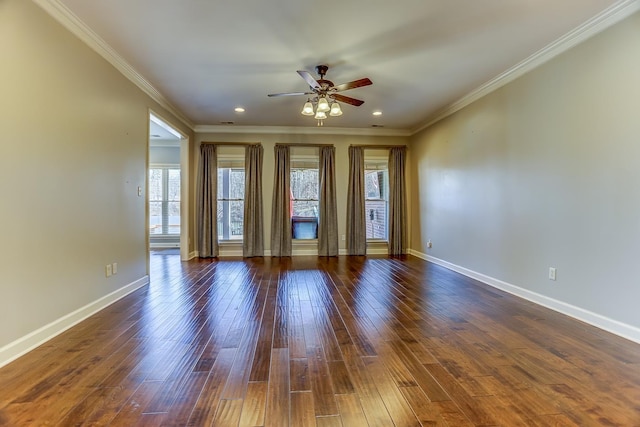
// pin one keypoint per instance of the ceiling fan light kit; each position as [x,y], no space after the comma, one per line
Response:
[325,90]
[307,110]
[323,105]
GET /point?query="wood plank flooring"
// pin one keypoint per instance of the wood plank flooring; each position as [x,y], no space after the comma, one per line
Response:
[307,341]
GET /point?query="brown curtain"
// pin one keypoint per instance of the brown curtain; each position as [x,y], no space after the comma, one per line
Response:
[328,225]
[207,209]
[356,226]
[397,202]
[253,229]
[281,214]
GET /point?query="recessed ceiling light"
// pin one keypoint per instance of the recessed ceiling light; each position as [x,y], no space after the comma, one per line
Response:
[377,113]
[239,110]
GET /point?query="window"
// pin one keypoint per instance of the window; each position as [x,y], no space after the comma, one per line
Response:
[304,199]
[376,187]
[230,201]
[164,201]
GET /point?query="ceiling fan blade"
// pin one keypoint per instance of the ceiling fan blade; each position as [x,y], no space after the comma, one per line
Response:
[309,79]
[347,99]
[352,85]
[291,94]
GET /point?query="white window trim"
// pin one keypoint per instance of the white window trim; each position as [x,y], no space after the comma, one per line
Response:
[168,236]
[379,159]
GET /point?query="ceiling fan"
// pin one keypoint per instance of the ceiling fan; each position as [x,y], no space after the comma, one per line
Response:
[323,91]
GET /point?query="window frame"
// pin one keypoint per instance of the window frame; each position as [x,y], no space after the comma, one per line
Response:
[381,165]
[229,162]
[165,201]
[302,161]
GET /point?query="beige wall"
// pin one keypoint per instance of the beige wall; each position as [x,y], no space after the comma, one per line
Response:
[544,173]
[341,143]
[73,153]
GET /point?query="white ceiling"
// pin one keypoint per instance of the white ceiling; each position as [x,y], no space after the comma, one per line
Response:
[161,133]
[207,57]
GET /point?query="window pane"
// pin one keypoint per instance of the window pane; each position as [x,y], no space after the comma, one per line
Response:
[230,183]
[230,220]
[155,184]
[164,201]
[237,217]
[305,208]
[236,184]
[230,212]
[376,219]
[304,183]
[174,185]
[376,202]
[155,217]
[304,202]
[373,184]
[173,217]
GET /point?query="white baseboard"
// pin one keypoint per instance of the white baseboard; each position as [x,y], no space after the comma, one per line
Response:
[164,245]
[21,346]
[623,330]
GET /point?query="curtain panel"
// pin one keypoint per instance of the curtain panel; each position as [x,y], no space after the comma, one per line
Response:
[356,226]
[253,227]
[207,206]
[397,202]
[281,207]
[328,224]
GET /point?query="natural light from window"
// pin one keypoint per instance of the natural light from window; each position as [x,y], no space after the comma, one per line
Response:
[304,200]
[230,203]
[164,201]
[376,187]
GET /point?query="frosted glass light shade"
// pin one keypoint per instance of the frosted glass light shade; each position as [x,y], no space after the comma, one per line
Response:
[307,110]
[320,115]
[323,105]
[335,110]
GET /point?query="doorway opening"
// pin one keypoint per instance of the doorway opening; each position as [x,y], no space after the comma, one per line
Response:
[167,184]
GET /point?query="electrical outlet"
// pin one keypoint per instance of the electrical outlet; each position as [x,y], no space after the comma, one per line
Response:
[108,270]
[552,273]
[344,237]
[114,268]
[429,244]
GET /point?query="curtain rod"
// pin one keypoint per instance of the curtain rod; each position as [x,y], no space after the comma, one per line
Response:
[305,145]
[380,147]
[231,144]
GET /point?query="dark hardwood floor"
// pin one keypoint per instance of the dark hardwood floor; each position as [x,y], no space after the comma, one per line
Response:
[347,341]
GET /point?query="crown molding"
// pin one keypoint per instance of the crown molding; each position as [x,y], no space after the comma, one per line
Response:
[590,28]
[300,130]
[71,22]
